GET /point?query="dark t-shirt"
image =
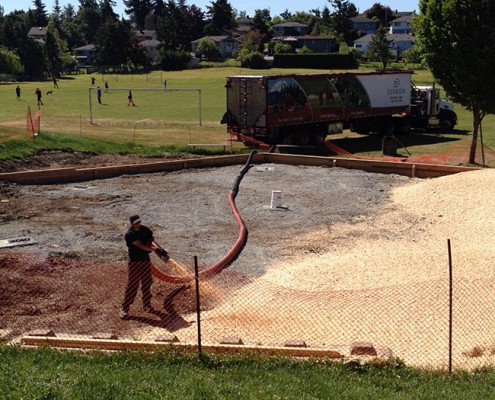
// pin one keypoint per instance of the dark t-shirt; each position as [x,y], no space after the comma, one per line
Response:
[145,236]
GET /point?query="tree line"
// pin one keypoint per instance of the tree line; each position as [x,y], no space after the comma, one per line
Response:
[176,24]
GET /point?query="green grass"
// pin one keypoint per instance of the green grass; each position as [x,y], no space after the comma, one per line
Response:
[166,121]
[49,374]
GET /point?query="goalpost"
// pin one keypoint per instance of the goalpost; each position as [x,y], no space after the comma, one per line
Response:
[104,90]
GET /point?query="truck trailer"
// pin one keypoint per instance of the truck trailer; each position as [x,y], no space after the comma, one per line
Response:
[302,109]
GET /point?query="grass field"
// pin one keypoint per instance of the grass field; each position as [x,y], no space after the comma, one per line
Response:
[48,374]
[161,118]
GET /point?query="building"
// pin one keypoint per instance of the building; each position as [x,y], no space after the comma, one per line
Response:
[227,45]
[151,47]
[398,43]
[363,24]
[290,29]
[83,55]
[402,24]
[38,34]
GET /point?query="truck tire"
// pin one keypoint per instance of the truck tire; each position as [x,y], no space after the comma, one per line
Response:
[402,126]
[446,125]
[385,126]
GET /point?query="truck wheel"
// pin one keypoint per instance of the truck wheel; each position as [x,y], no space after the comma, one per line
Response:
[446,125]
[402,126]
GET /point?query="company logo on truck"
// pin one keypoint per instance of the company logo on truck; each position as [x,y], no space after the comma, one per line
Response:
[396,89]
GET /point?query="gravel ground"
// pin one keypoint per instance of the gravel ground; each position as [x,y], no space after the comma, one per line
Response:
[339,233]
[189,211]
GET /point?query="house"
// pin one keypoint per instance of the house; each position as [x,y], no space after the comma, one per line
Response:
[398,43]
[316,43]
[363,43]
[227,45]
[363,24]
[145,35]
[244,25]
[151,47]
[38,34]
[402,24]
[290,29]
[84,54]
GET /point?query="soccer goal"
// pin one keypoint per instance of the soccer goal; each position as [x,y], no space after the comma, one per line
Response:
[149,103]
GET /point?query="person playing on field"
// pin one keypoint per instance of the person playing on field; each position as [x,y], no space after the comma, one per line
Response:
[98,94]
[138,239]
[38,96]
[129,98]
[18,92]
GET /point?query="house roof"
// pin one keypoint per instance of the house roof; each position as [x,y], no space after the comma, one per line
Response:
[87,47]
[315,37]
[150,43]
[37,31]
[396,37]
[363,19]
[244,21]
[290,25]
[217,39]
[404,18]
[401,37]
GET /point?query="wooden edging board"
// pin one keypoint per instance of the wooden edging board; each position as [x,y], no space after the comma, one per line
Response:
[107,344]
[67,175]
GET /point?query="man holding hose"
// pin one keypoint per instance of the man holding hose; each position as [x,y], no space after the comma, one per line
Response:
[139,240]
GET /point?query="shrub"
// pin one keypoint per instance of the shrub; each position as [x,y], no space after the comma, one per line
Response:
[254,60]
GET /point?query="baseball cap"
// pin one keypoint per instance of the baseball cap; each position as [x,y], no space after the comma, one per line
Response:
[134,219]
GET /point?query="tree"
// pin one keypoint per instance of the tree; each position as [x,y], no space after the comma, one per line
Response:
[40,17]
[170,25]
[457,40]
[112,44]
[341,19]
[283,48]
[221,18]
[137,53]
[53,51]
[379,47]
[10,63]
[383,13]
[138,10]
[261,25]
[69,30]
[88,20]
[208,48]
[106,10]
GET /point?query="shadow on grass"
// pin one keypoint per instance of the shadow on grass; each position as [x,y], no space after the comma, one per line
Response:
[374,142]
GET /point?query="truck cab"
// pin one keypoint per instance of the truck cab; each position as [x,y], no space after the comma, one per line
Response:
[430,110]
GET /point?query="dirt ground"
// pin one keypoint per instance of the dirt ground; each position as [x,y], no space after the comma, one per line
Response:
[338,231]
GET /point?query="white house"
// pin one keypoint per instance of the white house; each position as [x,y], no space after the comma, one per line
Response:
[398,42]
[402,24]
[151,47]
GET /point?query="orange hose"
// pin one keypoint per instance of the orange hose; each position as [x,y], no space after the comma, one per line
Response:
[233,253]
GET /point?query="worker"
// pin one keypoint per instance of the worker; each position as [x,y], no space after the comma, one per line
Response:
[139,240]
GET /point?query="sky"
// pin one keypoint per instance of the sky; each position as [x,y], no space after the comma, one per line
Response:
[276,7]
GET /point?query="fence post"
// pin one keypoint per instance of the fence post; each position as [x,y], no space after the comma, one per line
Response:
[198,311]
[450,306]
